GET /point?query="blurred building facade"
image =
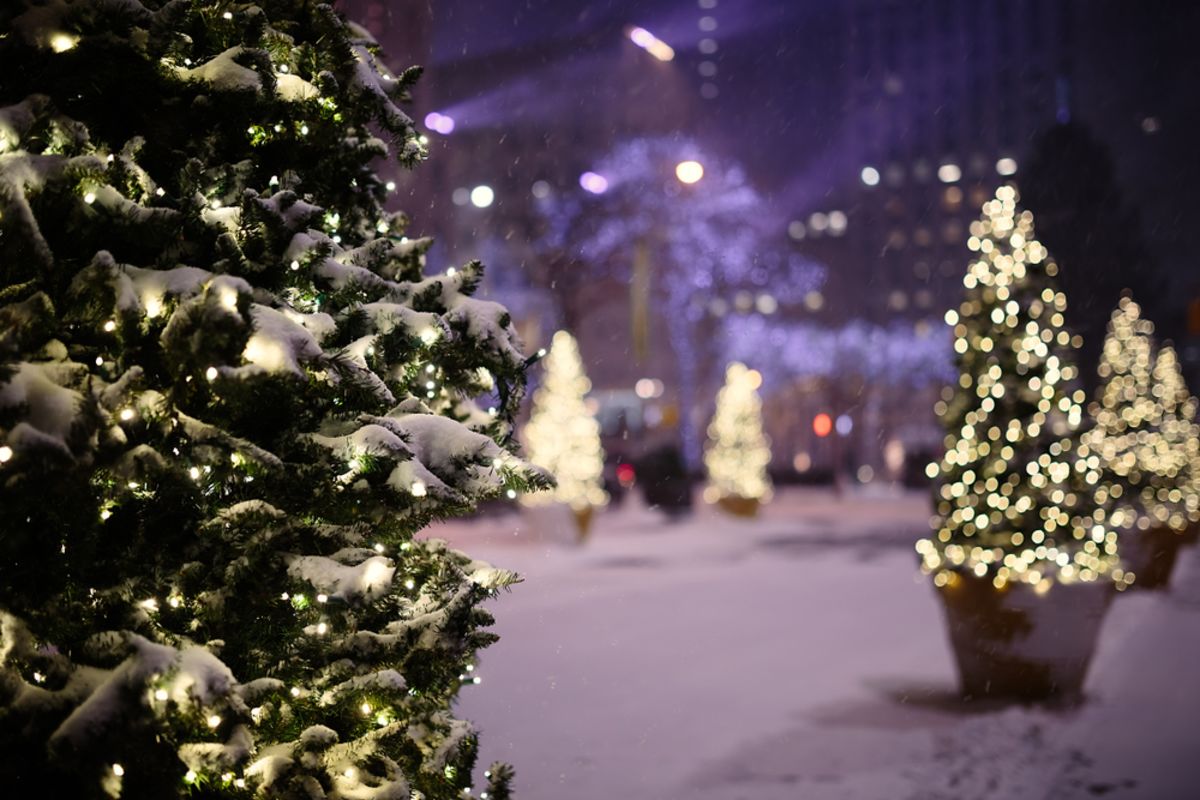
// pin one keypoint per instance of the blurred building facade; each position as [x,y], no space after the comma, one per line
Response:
[900,118]
[942,100]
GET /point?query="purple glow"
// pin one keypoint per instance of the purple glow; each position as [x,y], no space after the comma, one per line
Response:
[706,244]
[441,123]
[593,182]
[898,355]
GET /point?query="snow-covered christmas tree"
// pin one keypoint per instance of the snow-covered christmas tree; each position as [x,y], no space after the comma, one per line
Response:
[738,451]
[1006,508]
[562,435]
[1137,450]
[229,399]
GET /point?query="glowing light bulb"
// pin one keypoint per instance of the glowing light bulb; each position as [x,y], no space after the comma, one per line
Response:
[62,42]
[689,172]
[482,196]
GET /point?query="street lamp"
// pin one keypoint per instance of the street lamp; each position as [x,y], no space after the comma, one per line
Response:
[689,171]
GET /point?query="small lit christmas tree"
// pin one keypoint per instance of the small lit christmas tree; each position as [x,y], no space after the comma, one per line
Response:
[229,400]
[1180,429]
[562,435]
[1139,449]
[1005,505]
[738,451]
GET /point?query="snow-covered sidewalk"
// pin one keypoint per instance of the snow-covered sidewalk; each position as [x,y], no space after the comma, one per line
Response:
[800,655]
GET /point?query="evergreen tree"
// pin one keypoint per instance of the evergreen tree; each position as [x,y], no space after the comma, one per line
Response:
[229,399]
[562,435]
[1006,508]
[1133,451]
[738,451]
[1181,433]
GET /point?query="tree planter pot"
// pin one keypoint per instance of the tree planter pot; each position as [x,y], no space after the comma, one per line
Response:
[583,520]
[557,522]
[1018,644]
[1150,555]
[739,506]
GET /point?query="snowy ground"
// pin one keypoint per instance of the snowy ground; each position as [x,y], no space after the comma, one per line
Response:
[800,655]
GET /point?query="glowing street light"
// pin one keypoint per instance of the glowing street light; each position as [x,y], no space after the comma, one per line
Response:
[651,44]
[482,196]
[949,173]
[1006,166]
[689,171]
[593,182]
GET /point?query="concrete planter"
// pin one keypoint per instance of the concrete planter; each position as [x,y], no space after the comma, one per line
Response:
[1150,555]
[557,522]
[1017,643]
[739,506]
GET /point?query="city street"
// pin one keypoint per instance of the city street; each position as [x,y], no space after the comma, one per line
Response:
[800,655]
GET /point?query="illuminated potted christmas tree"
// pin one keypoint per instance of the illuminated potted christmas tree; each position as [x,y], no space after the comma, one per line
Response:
[1142,447]
[1024,573]
[1180,407]
[564,438]
[230,400]
[1181,432]
[738,451]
